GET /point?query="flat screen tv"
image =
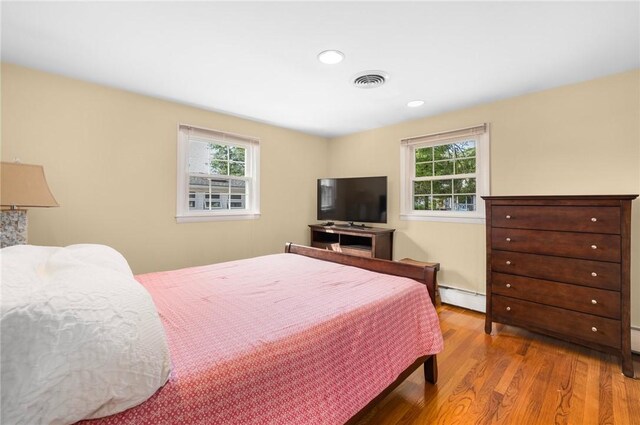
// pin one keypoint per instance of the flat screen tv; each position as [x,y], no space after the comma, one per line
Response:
[353,199]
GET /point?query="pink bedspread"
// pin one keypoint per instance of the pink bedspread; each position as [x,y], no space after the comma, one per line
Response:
[282,339]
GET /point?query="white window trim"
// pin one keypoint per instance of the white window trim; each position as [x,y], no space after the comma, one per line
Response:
[483,177]
[183,214]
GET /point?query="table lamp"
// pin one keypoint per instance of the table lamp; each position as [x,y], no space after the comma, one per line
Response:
[21,186]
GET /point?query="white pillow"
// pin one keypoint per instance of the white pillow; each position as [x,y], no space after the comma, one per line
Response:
[80,337]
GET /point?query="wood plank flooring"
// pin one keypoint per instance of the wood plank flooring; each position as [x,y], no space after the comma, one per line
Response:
[512,377]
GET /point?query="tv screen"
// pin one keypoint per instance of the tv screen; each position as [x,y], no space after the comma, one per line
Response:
[354,199]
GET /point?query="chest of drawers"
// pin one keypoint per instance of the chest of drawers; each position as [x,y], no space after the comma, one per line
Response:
[560,265]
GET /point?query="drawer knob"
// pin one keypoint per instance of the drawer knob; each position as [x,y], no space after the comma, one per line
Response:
[594,219]
[594,247]
[508,285]
[508,217]
[508,239]
[594,302]
[594,274]
[594,329]
[508,263]
[508,308]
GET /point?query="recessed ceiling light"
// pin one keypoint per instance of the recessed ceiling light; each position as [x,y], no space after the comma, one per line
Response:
[331,57]
[415,103]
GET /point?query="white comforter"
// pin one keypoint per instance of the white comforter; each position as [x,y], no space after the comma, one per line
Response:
[80,337]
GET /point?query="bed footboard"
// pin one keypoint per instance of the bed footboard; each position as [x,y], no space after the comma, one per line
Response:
[425,275]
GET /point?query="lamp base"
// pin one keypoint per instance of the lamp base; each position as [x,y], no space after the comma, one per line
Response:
[13,228]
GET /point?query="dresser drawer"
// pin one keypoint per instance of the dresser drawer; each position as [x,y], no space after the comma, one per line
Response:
[583,326]
[597,274]
[572,219]
[590,246]
[579,298]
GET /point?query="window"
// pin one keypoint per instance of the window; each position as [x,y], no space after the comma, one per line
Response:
[217,176]
[444,175]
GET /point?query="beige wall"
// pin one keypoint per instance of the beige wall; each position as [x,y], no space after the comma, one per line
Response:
[578,139]
[110,160]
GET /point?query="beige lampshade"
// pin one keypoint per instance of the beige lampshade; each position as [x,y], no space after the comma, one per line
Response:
[24,185]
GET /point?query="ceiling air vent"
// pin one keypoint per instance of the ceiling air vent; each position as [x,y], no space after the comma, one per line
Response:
[370,79]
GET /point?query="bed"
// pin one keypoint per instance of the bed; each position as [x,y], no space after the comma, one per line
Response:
[304,337]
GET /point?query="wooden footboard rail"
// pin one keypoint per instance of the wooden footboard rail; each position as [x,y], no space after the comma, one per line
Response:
[425,275]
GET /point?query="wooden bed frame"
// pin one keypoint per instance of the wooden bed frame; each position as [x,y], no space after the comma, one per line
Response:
[425,275]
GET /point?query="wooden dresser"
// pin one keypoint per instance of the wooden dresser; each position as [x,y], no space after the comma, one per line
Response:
[560,265]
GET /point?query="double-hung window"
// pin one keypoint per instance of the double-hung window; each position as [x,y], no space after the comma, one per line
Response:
[218,176]
[444,175]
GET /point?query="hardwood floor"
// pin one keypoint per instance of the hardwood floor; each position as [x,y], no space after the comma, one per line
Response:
[512,377]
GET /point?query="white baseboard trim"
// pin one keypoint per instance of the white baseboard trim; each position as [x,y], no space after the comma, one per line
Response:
[477,302]
[635,340]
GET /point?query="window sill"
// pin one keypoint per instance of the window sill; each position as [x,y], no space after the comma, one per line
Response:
[199,218]
[443,218]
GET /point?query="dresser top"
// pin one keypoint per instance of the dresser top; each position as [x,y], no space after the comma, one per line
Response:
[561,197]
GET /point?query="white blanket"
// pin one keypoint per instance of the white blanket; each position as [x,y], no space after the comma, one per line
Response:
[80,337]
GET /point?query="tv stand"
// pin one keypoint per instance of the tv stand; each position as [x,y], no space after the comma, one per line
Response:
[354,239]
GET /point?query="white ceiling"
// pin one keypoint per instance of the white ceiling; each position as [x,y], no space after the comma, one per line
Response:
[258,59]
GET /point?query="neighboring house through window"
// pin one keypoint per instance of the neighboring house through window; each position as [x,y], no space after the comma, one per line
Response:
[444,175]
[217,176]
